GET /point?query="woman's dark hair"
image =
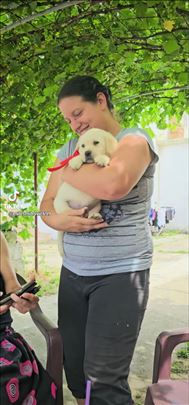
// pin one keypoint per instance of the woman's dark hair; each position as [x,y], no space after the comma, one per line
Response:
[87,87]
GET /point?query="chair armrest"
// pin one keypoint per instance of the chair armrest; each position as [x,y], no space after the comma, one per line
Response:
[54,364]
[54,344]
[20,279]
[165,344]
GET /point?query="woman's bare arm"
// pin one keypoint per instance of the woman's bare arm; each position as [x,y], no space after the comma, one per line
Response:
[8,273]
[12,284]
[127,166]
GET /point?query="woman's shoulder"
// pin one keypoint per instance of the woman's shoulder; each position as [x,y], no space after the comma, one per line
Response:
[67,149]
[132,131]
[139,132]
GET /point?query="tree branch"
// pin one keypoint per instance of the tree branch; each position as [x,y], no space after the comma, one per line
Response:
[118,101]
[143,45]
[161,33]
[160,97]
[33,16]
[77,18]
[182,12]
[133,105]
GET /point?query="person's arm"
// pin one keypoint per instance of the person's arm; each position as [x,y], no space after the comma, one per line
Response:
[128,164]
[71,220]
[8,274]
[12,284]
[51,218]
[26,302]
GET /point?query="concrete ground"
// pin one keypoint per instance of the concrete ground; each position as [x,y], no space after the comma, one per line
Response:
[167,309]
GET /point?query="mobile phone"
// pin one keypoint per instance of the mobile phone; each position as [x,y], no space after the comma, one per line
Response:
[30,287]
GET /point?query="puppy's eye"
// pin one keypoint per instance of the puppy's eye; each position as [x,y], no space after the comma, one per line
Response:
[83,146]
[96,142]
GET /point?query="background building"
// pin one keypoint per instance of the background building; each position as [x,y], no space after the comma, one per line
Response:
[171,179]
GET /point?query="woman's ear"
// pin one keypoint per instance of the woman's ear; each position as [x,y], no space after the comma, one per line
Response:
[111,144]
[101,99]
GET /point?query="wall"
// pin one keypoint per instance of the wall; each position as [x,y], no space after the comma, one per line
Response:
[171,180]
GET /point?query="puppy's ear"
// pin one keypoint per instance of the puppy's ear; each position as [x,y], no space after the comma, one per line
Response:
[111,144]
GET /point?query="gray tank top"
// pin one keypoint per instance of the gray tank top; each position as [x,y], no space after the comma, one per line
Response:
[126,244]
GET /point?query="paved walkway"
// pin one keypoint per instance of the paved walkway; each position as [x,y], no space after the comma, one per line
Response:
[167,309]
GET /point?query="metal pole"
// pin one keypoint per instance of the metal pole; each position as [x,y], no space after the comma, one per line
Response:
[36,218]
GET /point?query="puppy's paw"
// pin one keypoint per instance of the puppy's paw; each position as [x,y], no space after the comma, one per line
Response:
[102,160]
[76,163]
[95,215]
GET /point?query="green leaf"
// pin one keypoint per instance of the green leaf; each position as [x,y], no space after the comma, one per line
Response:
[184,77]
[51,90]
[74,11]
[39,100]
[25,234]
[33,5]
[170,46]
[140,10]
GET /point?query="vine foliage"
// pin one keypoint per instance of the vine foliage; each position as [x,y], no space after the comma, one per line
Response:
[138,48]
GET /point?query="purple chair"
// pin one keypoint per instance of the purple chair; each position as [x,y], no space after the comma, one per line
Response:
[164,390]
[54,363]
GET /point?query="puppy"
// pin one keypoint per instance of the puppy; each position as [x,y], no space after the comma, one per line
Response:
[95,146]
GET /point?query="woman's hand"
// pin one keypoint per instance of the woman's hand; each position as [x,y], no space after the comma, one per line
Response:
[4,308]
[25,302]
[73,220]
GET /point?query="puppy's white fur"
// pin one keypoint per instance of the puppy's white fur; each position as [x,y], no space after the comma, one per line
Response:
[95,146]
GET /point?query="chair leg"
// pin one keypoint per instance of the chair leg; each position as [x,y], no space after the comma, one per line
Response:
[148,399]
[60,400]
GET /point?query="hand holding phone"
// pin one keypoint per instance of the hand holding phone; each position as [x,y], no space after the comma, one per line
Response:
[30,287]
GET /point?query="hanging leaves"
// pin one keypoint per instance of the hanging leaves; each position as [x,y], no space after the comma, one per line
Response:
[138,48]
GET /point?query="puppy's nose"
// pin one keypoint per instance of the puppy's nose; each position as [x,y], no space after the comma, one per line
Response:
[88,154]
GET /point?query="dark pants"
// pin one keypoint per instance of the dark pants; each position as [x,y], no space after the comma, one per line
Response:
[100,319]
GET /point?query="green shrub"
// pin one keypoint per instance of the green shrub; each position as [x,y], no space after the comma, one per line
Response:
[183,352]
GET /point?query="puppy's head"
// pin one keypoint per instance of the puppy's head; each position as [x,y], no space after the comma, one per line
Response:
[95,142]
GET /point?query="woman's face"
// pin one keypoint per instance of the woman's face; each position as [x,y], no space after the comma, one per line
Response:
[82,115]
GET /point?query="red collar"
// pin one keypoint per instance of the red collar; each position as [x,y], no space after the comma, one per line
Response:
[63,163]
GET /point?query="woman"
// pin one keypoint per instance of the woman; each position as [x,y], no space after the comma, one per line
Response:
[104,280]
[23,379]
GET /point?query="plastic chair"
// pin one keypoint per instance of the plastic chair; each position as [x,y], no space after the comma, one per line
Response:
[164,390]
[54,363]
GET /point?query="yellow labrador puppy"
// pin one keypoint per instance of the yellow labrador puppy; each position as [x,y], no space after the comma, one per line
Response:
[95,146]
